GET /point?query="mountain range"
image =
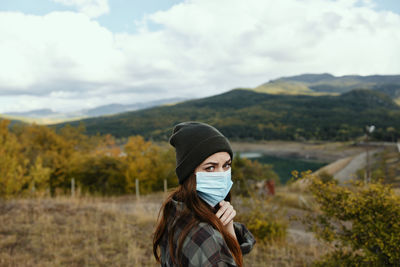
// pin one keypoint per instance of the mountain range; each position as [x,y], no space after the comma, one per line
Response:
[303,107]
[247,115]
[48,116]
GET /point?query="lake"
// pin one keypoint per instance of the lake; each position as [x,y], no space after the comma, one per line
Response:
[283,166]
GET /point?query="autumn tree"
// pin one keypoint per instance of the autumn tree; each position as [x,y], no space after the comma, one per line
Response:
[13,179]
[53,150]
[142,159]
[165,168]
[99,168]
[99,174]
[39,176]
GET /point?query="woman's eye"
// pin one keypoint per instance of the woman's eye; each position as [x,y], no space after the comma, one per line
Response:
[227,166]
[210,169]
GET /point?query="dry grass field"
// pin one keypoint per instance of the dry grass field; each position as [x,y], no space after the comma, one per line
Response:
[117,231]
[73,232]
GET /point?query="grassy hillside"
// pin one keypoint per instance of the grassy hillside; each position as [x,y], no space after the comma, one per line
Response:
[327,84]
[282,87]
[244,114]
[40,121]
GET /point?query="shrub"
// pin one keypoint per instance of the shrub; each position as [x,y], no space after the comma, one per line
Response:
[266,225]
[360,220]
[267,230]
[326,177]
[246,173]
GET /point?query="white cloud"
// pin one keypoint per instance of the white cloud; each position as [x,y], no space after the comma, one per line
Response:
[92,8]
[203,47]
[56,48]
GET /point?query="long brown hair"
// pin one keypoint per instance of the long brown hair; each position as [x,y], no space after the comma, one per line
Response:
[195,211]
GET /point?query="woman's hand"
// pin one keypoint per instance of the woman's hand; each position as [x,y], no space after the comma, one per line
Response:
[226,213]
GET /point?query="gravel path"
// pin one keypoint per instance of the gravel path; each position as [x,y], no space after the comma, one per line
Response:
[358,162]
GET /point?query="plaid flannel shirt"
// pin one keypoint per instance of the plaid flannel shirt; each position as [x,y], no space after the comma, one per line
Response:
[204,245]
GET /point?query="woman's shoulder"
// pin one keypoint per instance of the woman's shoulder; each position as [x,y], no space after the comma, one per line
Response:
[205,246]
[208,227]
[205,237]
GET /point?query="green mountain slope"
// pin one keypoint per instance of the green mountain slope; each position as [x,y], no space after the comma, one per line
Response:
[327,84]
[244,114]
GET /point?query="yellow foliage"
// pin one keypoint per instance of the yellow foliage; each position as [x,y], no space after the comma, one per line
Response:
[264,224]
[141,158]
[13,177]
[362,219]
[37,157]
[148,163]
[39,175]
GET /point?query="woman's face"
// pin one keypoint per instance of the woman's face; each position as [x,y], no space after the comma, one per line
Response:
[218,162]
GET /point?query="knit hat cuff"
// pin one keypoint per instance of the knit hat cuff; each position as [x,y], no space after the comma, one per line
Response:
[198,154]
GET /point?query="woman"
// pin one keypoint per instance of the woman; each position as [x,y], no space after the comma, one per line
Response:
[195,226]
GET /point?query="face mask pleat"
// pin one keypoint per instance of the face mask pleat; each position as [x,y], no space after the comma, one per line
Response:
[213,187]
[208,199]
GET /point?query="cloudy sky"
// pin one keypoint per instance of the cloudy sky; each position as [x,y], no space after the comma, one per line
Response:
[72,54]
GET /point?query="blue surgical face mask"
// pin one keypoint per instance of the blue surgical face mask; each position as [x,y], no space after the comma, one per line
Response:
[213,187]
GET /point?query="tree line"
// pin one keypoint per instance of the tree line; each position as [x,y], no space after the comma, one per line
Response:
[41,159]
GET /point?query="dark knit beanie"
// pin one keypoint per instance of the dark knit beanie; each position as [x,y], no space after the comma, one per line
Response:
[194,142]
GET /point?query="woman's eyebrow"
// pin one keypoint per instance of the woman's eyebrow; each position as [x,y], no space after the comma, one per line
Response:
[216,163]
[211,163]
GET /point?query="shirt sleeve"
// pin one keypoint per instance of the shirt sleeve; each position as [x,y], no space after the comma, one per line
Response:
[245,238]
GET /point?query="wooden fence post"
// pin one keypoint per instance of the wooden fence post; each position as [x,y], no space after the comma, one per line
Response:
[137,189]
[33,189]
[72,187]
[165,186]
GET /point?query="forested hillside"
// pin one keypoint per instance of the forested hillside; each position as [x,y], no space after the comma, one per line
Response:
[245,114]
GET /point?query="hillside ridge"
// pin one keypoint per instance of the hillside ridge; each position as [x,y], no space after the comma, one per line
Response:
[327,84]
[243,114]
